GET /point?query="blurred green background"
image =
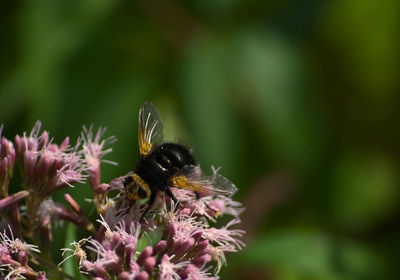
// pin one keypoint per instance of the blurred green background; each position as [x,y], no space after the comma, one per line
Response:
[296,100]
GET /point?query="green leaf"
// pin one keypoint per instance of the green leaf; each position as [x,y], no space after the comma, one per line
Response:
[70,266]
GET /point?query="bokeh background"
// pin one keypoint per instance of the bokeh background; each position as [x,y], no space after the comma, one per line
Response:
[296,100]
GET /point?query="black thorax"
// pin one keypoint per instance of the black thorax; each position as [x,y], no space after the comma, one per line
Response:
[165,161]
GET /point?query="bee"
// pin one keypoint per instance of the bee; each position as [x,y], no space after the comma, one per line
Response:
[163,165]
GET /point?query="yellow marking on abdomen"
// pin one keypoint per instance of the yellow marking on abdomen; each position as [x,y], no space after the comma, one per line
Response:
[132,188]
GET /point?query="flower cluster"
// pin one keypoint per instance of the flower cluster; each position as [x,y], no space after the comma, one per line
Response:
[175,241]
[45,168]
[14,255]
[181,245]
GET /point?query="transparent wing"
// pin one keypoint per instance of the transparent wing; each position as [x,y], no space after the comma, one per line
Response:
[150,128]
[192,178]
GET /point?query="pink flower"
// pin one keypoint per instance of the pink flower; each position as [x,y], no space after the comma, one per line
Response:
[28,144]
[223,205]
[168,270]
[106,257]
[183,234]
[192,272]
[15,256]
[93,150]
[185,245]
[174,241]
[224,236]
[66,168]
[6,202]
[7,159]
[48,167]
[16,245]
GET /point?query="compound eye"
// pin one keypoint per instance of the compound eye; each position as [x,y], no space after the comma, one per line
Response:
[141,192]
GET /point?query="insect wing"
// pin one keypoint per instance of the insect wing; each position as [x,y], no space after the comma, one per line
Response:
[150,128]
[192,178]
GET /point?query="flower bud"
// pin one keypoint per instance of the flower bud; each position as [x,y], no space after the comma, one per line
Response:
[147,252]
[149,264]
[201,260]
[142,276]
[160,246]
[5,202]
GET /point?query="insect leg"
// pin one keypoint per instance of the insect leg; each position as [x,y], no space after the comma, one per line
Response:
[151,201]
[171,195]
